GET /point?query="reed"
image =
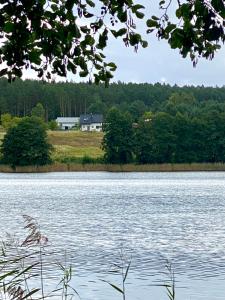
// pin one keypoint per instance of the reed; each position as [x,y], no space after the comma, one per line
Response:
[22,268]
[122,268]
[88,164]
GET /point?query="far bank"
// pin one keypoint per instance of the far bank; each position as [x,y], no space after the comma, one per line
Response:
[76,167]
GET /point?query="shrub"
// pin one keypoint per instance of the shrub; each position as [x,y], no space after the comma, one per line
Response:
[8,121]
[52,125]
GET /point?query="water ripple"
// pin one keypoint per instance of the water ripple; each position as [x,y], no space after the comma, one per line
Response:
[154,217]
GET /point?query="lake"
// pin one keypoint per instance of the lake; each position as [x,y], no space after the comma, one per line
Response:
[153,218]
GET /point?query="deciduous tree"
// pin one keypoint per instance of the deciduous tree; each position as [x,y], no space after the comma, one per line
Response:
[26,144]
[118,137]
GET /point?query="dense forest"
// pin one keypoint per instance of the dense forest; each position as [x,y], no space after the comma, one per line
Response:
[72,99]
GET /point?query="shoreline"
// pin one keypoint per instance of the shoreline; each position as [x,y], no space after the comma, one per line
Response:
[76,167]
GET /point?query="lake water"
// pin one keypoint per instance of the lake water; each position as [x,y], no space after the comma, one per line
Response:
[153,217]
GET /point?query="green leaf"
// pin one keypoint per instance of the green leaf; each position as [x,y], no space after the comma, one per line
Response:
[112,66]
[127,270]
[30,293]
[90,3]
[8,27]
[144,44]
[34,57]
[26,270]
[89,40]
[114,286]
[162,2]
[151,23]
[137,7]
[88,15]
[8,274]
[155,18]
[135,39]
[140,15]
[170,27]
[83,73]
[98,58]
[120,32]
[3,72]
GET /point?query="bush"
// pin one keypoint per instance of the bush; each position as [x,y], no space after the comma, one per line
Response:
[26,144]
[91,160]
[8,121]
[52,125]
[81,160]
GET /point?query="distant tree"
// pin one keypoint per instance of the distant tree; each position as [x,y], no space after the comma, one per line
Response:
[163,138]
[8,121]
[215,136]
[118,137]
[147,116]
[26,144]
[38,111]
[52,125]
[97,107]
[199,136]
[123,106]
[180,102]
[136,109]
[182,97]
[15,121]
[3,105]
[144,146]
[184,132]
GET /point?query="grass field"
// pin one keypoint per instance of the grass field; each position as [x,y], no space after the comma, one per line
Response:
[73,145]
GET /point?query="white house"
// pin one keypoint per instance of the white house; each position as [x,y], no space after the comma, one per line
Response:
[91,122]
[68,123]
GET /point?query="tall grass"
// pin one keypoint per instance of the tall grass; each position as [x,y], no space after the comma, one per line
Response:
[87,163]
[22,268]
[122,268]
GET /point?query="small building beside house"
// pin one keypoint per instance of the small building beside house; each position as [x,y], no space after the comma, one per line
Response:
[67,123]
[91,122]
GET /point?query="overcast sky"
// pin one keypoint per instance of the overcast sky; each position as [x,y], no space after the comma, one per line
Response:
[159,63]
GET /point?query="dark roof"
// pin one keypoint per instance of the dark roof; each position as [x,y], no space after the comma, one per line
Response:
[90,119]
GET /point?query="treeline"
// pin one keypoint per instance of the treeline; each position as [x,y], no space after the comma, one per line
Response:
[182,132]
[72,99]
